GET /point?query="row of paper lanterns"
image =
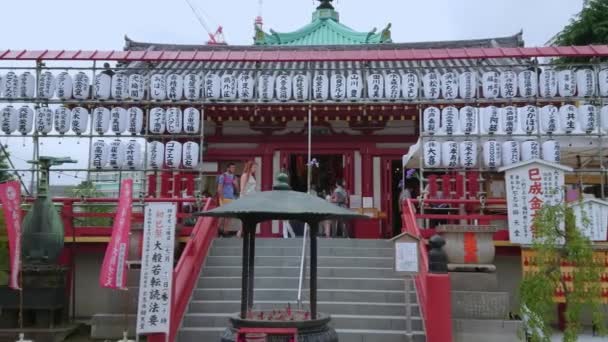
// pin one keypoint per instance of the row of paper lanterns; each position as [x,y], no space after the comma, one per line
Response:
[118,120]
[515,120]
[128,155]
[452,154]
[286,87]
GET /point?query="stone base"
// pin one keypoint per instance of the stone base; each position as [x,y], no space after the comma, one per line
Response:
[38,335]
[488,268]
[473,281]
[480,305]
[471,330]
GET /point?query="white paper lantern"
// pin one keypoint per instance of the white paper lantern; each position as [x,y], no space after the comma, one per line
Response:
[9,120]
[63,119]
[175,87]
[449,154]
[192,120]
[354,86]
[585,82]
[528,118]
[548,83]
[10,85]
[320,87]
[80,120]
[528,83]
[410,86]
[492,156]
[99,159]
[101,120]
[567,116]
[566,83]
[300,87]
[64,86]
[27,85]
[510,119]
[173,154]
[119,120]
[530,149]
[431,120]
[132,155]
[46,85]
[136,86]
[467,85]
[174,120]
[44,120]
[116,155]
[375,87]
[25,120]
[432,154]
[156,122]
[283,87]
[245,87]
[120,86]
[81,86]
[155,155]
[490,84]
[431,85]
[549,119]
[337,87]
[449,120]
[468,154]
[190,153]
[551,151]
[102,86]
[392,86]
[510,152]
[228,87]
[449,85]
[266,87]
[158,87]
[604,119]
[490,120]
[192,87]
[587,115]
[135,120]
[508,84]
[602,81]
[468,120]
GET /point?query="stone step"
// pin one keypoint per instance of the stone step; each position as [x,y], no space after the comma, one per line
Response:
[292,283]
[291,295]
[334,308]
[294,271]
[294,261]
[297,251]
[483,330]
[297,242]
[337,321]
[346,335]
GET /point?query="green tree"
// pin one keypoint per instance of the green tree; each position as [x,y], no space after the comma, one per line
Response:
[588,27]
[558,241]
[84,190]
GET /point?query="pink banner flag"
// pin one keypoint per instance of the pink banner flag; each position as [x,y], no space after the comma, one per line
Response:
[10,197]
[114,268]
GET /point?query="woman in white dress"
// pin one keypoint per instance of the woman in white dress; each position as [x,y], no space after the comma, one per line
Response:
[248,183]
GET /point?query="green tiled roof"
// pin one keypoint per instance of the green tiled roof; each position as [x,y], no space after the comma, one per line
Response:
[325,29]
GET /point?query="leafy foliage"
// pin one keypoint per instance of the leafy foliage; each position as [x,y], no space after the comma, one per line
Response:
[589,27]
[558,242]
[4,175]
[85,190]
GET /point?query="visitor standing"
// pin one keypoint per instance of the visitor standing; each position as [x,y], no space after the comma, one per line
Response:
[226,185]
[340,198]
[248,184]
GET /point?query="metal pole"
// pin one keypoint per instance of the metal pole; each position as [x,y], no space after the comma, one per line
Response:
[250,229]
[245,274]
[313,269]
[408,308]
[309,173]
[91,121]
[302,266]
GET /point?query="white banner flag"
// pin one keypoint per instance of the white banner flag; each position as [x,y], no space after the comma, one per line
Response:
[154,305]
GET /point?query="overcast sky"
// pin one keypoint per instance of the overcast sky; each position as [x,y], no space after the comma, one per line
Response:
[102,25]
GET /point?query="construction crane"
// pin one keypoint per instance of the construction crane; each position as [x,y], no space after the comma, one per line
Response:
[259,22]
[215,38]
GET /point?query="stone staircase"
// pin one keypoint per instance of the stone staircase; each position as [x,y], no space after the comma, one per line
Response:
[356,281]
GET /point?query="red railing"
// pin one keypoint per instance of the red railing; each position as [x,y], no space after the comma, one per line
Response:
[186,273]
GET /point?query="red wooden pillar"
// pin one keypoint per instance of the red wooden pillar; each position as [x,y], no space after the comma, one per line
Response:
[152,185]
[165,184]
[267,179]
[367,174]
[189,184]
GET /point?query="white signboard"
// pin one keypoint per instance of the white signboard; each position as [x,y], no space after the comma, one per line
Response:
[530,185]
[154,305]
[406,257]
[592,218]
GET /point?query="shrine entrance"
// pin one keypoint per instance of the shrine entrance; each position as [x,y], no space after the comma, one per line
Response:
[327,168]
